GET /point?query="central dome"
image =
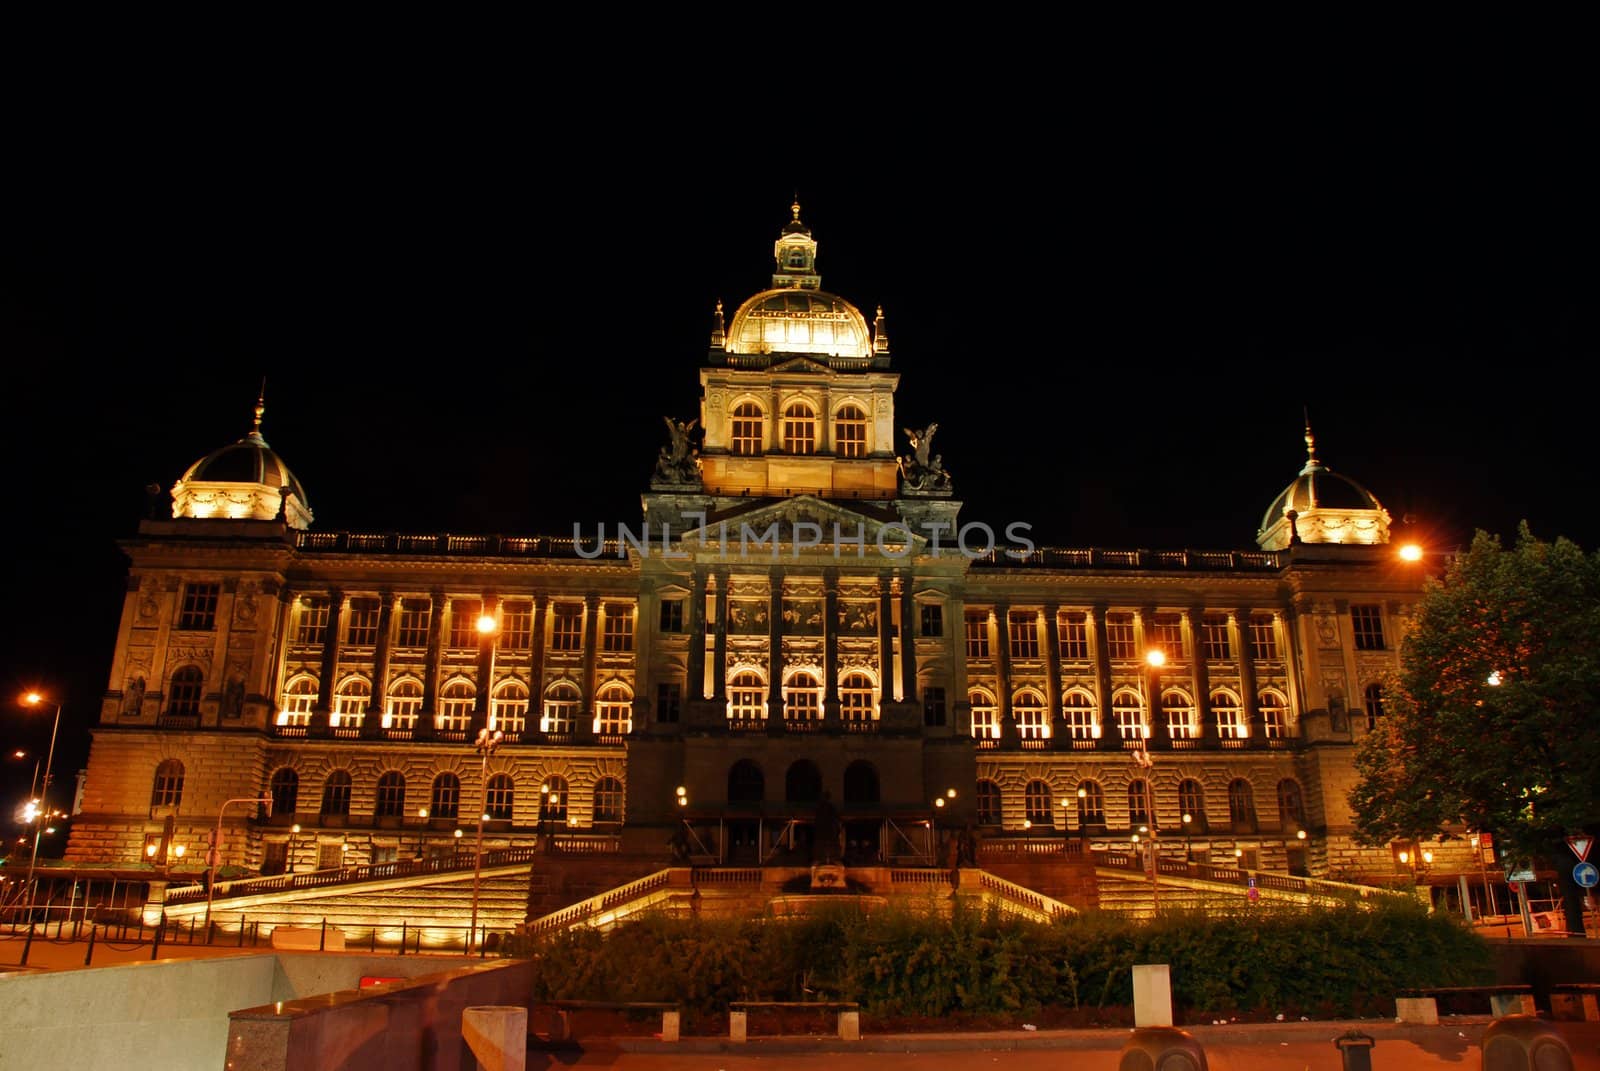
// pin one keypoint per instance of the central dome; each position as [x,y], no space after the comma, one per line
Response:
[793,320]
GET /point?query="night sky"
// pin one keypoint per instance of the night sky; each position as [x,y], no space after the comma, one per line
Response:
[472,321]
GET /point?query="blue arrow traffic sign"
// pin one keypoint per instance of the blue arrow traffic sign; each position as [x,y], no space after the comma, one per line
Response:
[1586,875]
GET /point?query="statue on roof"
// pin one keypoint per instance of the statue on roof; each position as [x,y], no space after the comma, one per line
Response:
[679,460]
[922,469]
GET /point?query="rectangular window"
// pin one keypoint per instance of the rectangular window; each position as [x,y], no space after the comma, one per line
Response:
[978,635]
[385,853]
[1166,634]
[313,620]
[330,856]
[671,615]
[199,612]
[363,630]
[668,700]
[1367,623]
[464,615]
[932,619]
[618,634]
[566,631]
[1024,634]
[414,622]
[1264,636]
[1119,637]
[933,709]
[516,626]
[1074,634]
[1217,641]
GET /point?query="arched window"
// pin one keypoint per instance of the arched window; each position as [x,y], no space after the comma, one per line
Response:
[608,800]
[183,700]
[1230,722]
[350,703]
[1139,800]
[613,711]
[561,701]
[299,699]
[168,788]
[860,782]
[1241,803]
[285,789]
[1192,802]
[855,698]
[1127,710]
[391,800]
[1036,803]
[1091,804]
[455,706]
[1027,707]
[985,724]
[988,803]
[746,783]
[850,432]
[802,697]
[799,429]
[1291,805]
[445,799]
[499,796]
[1274,714]
[747,696]
[1078,710]
[553,801]
[336,794]
[405,701]
[1372,698]
[1179,711]
[508,708]
[747,436]
[803,782]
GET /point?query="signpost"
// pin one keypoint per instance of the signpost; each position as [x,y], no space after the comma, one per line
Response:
[1586,875]
[1580,843]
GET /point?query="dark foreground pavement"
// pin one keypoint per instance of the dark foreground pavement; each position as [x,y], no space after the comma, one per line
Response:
[1453,1044]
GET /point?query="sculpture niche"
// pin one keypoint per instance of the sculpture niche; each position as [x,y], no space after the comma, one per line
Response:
[922,469]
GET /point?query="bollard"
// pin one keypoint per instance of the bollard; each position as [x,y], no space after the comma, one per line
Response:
[27,945]
[1355,1049]
[322,941]
[89,955]
[241,931]
[1524,1043]
[403,936]
[1163,1047]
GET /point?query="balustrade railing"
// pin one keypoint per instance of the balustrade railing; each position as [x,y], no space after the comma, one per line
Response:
[317,879]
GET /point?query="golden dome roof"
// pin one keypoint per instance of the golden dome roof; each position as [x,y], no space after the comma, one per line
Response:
[793,320]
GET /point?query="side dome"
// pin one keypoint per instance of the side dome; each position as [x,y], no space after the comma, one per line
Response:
[793,320]
[1321,506]
[246,480]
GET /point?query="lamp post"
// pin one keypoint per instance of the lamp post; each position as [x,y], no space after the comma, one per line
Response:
[34,699]
[214,855]
[1155,658]
[486,745]
[422,829]
[294,836]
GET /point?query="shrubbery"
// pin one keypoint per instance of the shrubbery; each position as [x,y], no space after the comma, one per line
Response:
[1322,962]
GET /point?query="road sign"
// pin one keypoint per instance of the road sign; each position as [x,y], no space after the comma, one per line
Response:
[1586,875]
[1580,843]
[1516,874]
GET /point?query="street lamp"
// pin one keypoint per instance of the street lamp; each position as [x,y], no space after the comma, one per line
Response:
[213,856]
[487,742]
[294,836]
[1155,658]
[422,829]
[34,699]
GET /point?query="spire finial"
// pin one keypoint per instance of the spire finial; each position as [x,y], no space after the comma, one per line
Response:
[795,208]
[261,407]
[1311,440]
[719,335]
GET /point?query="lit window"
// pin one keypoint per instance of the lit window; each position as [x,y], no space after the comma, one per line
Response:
[168,788]
[978,635]
[1180,714]
[351,702]
[183,700]
[1372,696]
[1024,634]
[336,794]
[1367,623]
[618,631]
[455,706]
[1274,714]
[1127,711]
[747,697]
[748,426]
[464,614]
[985,723]
[988,803]
[199,610]
[508,708]
[1218,640]
[313,625]
[1036,803]
[802,697]
[1119,636]
[1264,636]
[1166,635]
[1074,636]
[1027,708]
[285,790]
[566,632]
[391,801]
[553,800]
[405,701]
[799,429]
[1230,721]
[613,711]
[561,702]
[362,630]
[608,800]
[1091,804]
[855,698]
[414,622]
[445,799]
[516,626]
[299,700]
[499,796]
[1078,710]
[1139,802]
[850,432]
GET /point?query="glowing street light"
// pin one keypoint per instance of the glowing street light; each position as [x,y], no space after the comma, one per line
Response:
[488,741]
[1411,552]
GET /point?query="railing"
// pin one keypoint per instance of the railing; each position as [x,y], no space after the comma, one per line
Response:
[1227,875]
[1011,849]
[320,879]
[1017,897]
[465,545]
[178,721]
[921,876]
[714,875]
[1105,558]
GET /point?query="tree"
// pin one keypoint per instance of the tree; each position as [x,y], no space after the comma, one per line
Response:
[1491,722]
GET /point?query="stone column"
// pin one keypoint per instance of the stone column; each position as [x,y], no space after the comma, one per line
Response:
[486,648]
[372,724]
[584,729]
[1247,678]
[1002,670]
[775,716]
[1294,667]
[1201,676]
[908,642]
[426,729]
[322,716]
[1156,717]
[885,639]
[697,639]
[541,609]
[719,671]
[1102,677]
[830,649]
[1052,671]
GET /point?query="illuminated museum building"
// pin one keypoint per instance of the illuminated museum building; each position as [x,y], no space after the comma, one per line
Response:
[346,674]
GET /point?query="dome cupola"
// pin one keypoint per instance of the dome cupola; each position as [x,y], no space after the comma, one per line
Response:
[1320,506]
[244,481]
